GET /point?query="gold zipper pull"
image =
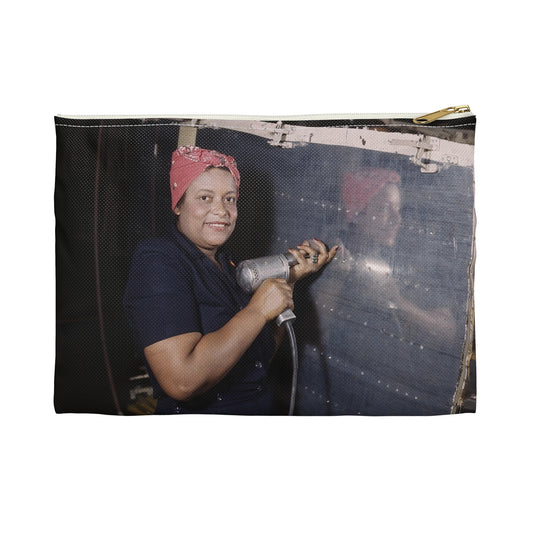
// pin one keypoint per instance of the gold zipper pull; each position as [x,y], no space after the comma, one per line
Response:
[431,117]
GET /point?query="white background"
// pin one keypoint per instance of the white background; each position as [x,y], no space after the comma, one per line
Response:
[100,473]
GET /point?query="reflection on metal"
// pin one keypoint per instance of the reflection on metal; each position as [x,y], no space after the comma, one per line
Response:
[429,153]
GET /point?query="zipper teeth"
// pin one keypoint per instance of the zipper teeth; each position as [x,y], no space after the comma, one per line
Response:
[359,116]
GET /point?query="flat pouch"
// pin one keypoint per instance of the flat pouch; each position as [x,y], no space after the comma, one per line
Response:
[385,328]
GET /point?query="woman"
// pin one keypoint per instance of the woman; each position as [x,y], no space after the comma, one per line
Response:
[391,347]
[207,343]
[372,205]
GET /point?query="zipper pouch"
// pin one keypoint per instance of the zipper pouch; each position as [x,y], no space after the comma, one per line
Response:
[302,265]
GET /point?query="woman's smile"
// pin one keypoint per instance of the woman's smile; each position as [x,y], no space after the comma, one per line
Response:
[219,226]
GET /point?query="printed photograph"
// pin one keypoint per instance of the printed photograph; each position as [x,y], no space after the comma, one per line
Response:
[293,266]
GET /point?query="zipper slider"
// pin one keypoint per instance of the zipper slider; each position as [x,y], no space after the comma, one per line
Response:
[431,117]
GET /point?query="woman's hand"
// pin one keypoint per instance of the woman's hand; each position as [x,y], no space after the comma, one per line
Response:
[272,297]
[310,259]
[190,364]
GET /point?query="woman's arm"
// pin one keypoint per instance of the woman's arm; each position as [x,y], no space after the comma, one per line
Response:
[189,364]
[436,323]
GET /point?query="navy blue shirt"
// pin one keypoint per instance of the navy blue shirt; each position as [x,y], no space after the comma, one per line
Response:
[174,288]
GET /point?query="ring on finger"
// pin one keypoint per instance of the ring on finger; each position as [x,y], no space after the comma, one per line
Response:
[314,258]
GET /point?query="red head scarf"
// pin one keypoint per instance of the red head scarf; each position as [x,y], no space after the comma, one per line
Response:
[188,162]
[359,187]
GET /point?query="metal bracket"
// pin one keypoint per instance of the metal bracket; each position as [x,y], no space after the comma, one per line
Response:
[279,136]
[424,147]
[429,154]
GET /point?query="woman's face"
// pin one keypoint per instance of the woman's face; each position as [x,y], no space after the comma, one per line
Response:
[381,219]
[208,212]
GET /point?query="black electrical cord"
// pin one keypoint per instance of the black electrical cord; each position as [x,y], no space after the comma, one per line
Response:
[294,350]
